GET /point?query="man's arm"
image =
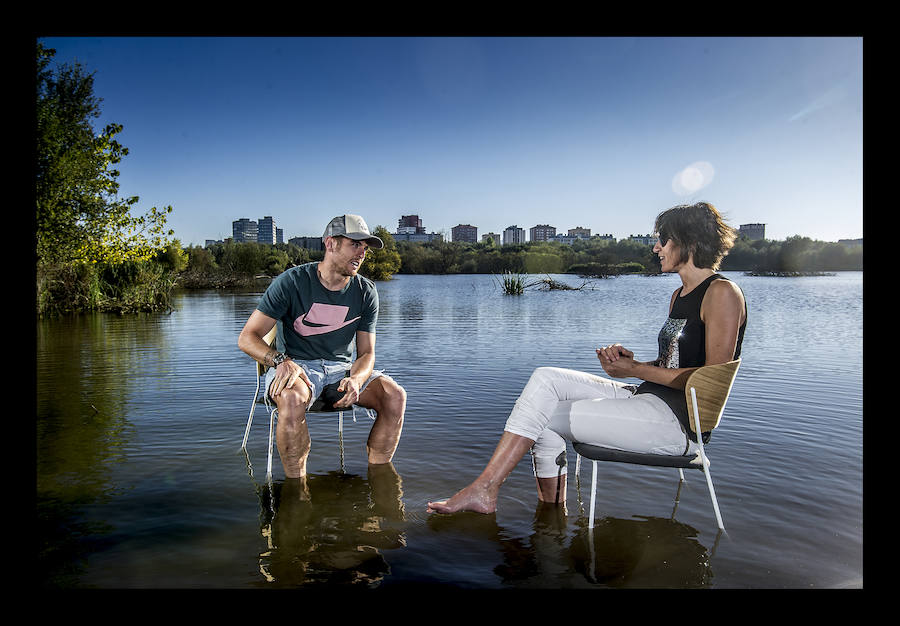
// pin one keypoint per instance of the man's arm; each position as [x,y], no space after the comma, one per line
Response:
[251,338]
[251,342]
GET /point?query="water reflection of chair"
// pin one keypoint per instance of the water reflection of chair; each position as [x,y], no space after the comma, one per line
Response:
[706,392]
[321,405]
[642,553]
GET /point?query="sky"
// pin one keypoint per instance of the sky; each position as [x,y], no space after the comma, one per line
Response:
[602,133]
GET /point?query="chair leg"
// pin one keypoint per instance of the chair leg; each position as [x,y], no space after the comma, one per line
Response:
[271,437]
[593,493]
[703,464]
[712,495]
[250,419]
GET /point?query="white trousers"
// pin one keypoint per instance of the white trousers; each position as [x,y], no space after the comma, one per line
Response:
[559,405]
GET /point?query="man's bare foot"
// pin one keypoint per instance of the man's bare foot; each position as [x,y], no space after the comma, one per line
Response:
[469,499]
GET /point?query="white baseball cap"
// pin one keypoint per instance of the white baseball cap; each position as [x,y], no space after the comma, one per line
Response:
[353,227]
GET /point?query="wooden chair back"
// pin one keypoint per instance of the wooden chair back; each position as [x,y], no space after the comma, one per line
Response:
[712,384]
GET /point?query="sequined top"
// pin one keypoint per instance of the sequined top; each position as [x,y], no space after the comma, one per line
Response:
[682,343]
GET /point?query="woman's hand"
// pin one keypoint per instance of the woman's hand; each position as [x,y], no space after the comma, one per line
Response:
[616,360]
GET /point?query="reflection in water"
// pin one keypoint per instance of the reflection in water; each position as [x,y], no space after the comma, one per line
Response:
[331,528]
[637,553]
[648,553]
[642,553]
[81,430]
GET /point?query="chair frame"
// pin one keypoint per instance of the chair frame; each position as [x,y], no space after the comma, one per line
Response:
[706,392]
[269,338]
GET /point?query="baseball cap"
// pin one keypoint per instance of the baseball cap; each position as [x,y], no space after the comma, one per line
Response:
[353,227]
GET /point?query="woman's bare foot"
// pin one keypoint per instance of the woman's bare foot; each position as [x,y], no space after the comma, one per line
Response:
[481,495]
[469,499]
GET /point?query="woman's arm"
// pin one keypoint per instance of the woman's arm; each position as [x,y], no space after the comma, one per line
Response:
[722,311]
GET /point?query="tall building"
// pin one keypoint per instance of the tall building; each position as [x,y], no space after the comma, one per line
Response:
[244,230]
[541,232]
[753,231]
[279,235]
[266,230]
[578,231]
[513,234]
[409,228]
[494,237]
[407,222]
[464,232]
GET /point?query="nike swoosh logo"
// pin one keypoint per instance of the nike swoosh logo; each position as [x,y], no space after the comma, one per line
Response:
[327,317]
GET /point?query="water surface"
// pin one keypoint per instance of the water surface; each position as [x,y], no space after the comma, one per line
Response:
[141,484]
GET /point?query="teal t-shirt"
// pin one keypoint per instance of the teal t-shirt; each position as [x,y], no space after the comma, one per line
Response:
[314,322]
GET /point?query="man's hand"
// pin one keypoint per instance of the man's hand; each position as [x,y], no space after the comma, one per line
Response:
[286,374]
[351,393]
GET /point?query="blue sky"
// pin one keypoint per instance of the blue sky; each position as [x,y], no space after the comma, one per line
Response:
[597,132]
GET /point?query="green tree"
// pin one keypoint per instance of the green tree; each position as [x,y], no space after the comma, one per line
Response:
[92,253]
[794,254]
[79,216]
[243,258]
[381,264]
[173,257]
[200,259]
[275,261]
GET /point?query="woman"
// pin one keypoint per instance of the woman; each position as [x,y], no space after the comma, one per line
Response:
[707,318]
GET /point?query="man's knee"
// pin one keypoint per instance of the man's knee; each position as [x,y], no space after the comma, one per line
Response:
[293,400]
[387,396]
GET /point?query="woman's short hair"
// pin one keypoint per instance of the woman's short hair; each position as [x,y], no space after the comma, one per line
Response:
[697,229]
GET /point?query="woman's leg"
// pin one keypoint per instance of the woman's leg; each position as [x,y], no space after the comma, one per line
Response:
[641,423]
[527,422]
[481,495]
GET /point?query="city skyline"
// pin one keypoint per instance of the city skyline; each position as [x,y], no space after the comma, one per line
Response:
[753,229]
[602,133]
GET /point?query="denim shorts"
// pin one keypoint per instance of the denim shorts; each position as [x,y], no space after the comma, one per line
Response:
[321,373]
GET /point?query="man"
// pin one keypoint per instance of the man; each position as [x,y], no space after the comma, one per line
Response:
[320,308]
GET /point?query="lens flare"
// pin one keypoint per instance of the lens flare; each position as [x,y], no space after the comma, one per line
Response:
[693,178]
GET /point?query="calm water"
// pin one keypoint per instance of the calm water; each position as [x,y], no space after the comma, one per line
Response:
[141,484]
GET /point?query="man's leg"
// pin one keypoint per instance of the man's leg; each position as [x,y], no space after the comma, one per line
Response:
[388,400]
[291,432]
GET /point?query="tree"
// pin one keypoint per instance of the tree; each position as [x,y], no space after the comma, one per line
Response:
[381,264]
[793,253]
[79,216]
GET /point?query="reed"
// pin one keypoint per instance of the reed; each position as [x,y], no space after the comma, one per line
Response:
[513,284]
[126,288]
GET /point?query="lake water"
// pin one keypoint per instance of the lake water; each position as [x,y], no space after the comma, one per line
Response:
[141,482]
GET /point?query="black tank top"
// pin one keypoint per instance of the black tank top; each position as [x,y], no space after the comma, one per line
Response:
[682,343]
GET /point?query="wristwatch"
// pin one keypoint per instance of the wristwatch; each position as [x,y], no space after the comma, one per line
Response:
[279,357]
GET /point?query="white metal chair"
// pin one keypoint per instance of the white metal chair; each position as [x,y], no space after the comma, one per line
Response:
[319,406]
[706,393]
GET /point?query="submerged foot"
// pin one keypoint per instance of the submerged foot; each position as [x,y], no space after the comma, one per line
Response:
[469,499]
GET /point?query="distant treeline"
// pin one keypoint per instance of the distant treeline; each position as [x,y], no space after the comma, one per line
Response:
[235,264]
